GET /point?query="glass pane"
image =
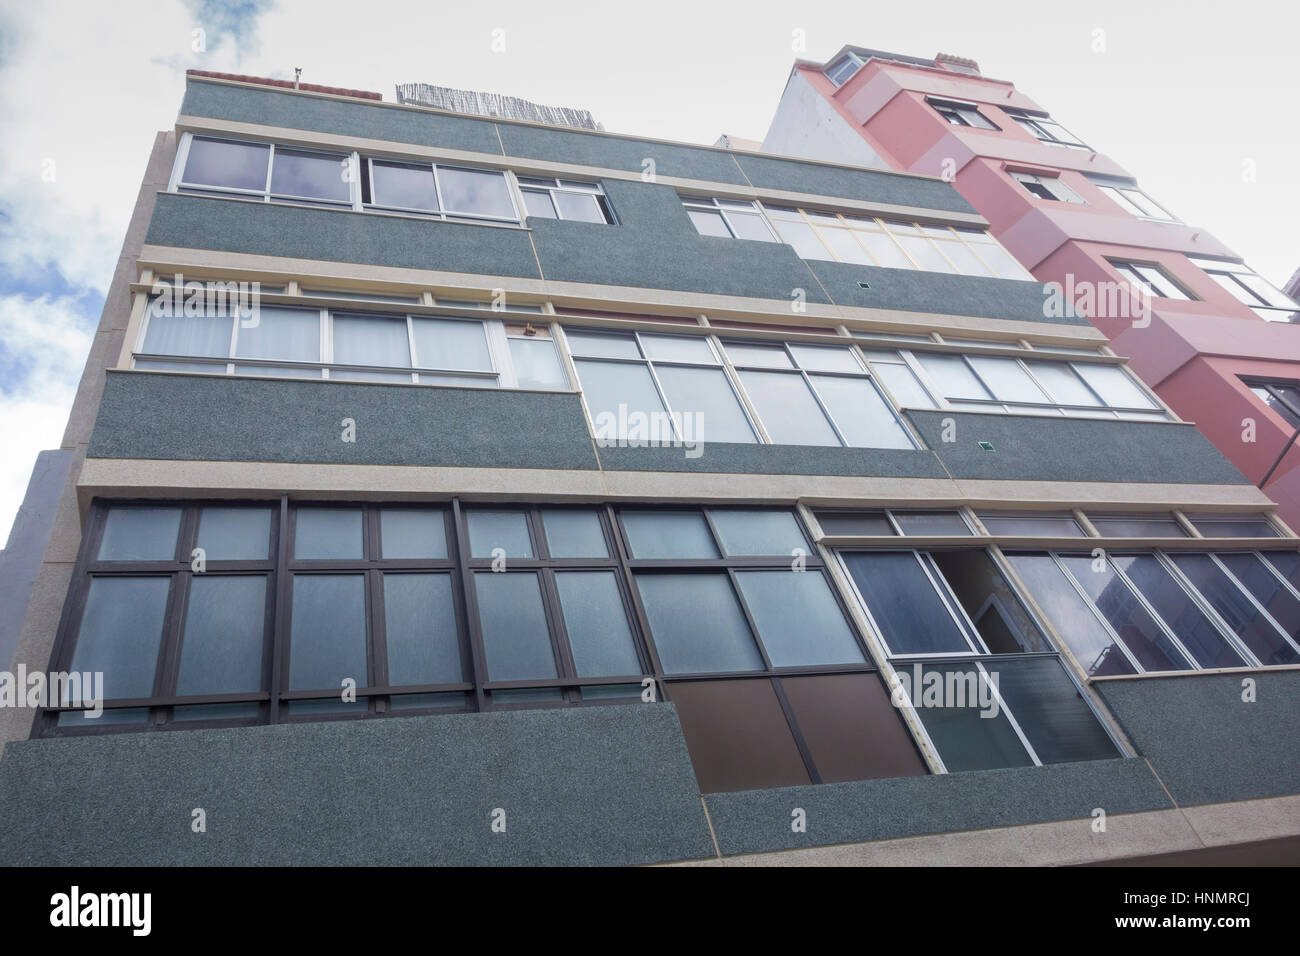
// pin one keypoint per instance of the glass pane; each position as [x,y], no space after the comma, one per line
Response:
[327,533]
[989,602]
[490,530]
[420,701]
[574,533]
[620,397]
[596,620]
[967,262]
[931,522]
[234,165]
[697,624]
[478,192]
[907,609]
[420,630]
[760,532]
[235,534]
[863,418]
[1002,262]
[704,397]
[115,716]
[237,711]
[371,340]
[327,640]
[537,364]
[187,335]
[1114,386]
[610,691]
[678,348]
[788,409]
[277,372]
[1006,379]
[314,175]
[855,522]
[668,534]
[1093,647]
[579,207]
[1137,526]
[180,366]
[953,377]
[121,629]
[352,375]
[963,717]
[760,356]
[221,650]
[1277,599]
[926,255]
[1179,611]
[447,343]
[1059,526]
[1245,619]
[804,239]
[140,534]
[516,637]
[1134,624]
[413,533]
[1234,527]
[709,223]
[1065,387]
[291,334]
[749,226]
[903,386]
[845,247]
[1053,716]
[797,618]
[820,358]
[885,250]
[538,203]
[400,184]
[597,345]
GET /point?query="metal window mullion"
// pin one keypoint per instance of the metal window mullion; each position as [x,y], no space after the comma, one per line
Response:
[1010,715]
[923,378]
[659,389]
[944,590]
[469,594]
[1097,613]
[730,572]
[1251,656]
[1155,615]
[279,631]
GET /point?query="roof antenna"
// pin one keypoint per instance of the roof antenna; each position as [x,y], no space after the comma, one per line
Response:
[297,72]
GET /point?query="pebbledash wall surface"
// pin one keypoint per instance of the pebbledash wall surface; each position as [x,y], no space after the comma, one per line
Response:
[579,780]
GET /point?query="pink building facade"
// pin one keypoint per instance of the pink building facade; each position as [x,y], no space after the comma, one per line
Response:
[1216,341]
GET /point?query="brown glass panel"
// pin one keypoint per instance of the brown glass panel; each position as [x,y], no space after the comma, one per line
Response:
[850,728]
[737,735]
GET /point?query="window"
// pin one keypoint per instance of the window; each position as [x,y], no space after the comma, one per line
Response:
[1234,526]
[1250,289]
[1012,385]
[892,244]
[1047,130]
[1032,525]
[564,199]
[1282,397]
[1137,526]
[839,71]
[265,171]
[976,670]
[727,218]
[1047,187]
[431,189]
[961,114]
[1160,611]
[352,346]
[1131,199]
[1149,279]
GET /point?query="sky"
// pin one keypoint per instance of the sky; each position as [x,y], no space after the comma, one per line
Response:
[1198,100]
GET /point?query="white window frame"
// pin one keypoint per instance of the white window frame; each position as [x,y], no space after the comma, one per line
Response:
[177,182]
[560,185]
[1058,191]
[1132,199]
[833,67]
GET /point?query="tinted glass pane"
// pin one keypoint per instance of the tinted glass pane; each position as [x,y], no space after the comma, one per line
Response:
[596,621]
[668,534]
[328,533]
[860,413]
[420,629]
[140,534]
[239,711]
[1182,615]
[931,522]
[953,705]
[446,343]
[597,345]
[124,715]
[413,533]
[1134,624]
[397,184]
[952,376]
[313,175]
[235,534]
[1278,600]
[618,397]
[574,534]
[1243,527]
[1047,706]
[290,334]
[234,165]
[797,618]
[706,396]
[478,192]
[697,623]
[1137,526]
[755,531]
[537,364]
[515,634]
[371,340]
[188,335]
[1245,619]
[221,651]
[788,410]
[121,629]
[907,610]
[490,530]
[327,641]
[1114,386]
[1070,615]
[1050,525]
[850,522]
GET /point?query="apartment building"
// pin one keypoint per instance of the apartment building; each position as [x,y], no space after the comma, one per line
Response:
[1213,338]
[545,497]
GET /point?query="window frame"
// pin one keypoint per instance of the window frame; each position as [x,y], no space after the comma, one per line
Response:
[1131,271]
[1041,126]
[955,113]
[1053,186]
[527,184]
[1228,275]
[178,184]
